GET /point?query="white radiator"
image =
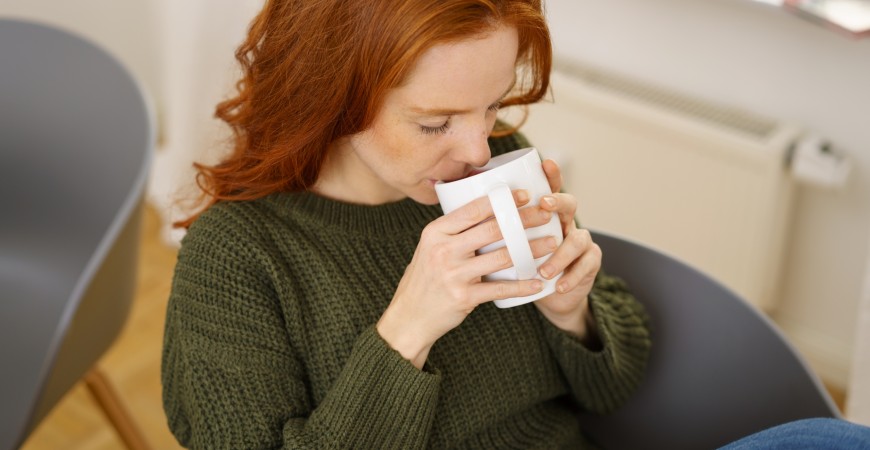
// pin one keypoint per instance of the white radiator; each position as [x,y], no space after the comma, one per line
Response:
[702,182]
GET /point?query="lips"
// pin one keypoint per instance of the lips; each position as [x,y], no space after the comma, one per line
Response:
[467,173]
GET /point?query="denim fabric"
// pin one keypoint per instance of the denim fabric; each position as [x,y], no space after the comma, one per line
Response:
[826,434]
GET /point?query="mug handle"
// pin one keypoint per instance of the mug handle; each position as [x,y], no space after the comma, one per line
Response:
[508,217]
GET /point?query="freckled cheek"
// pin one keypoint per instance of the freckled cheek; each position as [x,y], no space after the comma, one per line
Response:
[389,144]
[415,154]
[400,157]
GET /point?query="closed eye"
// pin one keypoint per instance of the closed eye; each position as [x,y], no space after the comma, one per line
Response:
[436,130]
[444,127]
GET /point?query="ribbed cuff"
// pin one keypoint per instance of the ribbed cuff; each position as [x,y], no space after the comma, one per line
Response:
[602,380]
[380,400]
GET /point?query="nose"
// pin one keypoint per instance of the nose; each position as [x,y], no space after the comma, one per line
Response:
[474,149]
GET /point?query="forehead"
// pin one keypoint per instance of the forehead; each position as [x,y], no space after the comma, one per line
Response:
[463,74]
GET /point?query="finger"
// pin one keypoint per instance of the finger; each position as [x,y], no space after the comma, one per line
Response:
[535,216]
[473,213]
[488,231]
[563,204]
[543,246]
[496,290]
[575,244]
[500,259]
[582,272]
[554,174]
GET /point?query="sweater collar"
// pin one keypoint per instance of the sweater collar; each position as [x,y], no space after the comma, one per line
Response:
[402,216]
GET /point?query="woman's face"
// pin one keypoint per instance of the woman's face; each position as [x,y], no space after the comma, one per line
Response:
[433,127]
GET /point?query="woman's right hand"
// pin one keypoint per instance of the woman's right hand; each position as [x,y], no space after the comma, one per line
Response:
[442,284]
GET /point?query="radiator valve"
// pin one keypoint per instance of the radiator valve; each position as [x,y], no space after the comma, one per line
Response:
[814,162]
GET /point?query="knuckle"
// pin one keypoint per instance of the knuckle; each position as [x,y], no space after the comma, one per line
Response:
[573,238]
[451,273]
[596,250]
[566,198]
[580,237]
[466,302]
[428,233]
[472,212]
[572,200]
[502,258]
[440,252]
[596,266]
[459,294]
[589,277]
[492,229]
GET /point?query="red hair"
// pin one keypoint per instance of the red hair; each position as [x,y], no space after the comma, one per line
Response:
[314,72]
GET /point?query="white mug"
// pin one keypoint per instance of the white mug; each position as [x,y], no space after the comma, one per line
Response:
[519,169]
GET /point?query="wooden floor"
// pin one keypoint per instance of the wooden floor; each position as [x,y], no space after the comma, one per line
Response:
[133,367]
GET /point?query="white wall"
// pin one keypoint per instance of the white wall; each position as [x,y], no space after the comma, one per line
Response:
[199,70]
[858,404]
[128,30]
[760,58]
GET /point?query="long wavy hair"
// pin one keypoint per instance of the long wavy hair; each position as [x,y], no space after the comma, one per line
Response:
[318,70]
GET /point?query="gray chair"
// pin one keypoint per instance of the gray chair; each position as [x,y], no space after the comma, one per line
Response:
[718,370]
[76,137]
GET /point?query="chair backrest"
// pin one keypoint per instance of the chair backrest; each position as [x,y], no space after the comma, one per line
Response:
[718,370]
[76,137]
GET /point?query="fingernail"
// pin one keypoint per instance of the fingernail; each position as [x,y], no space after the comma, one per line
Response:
[537,285]
[548,201]
[546,271]
[551,243]
[522,195]
[562,288]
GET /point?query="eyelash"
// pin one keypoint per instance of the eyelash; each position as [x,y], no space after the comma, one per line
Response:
[443,128]
[436,130]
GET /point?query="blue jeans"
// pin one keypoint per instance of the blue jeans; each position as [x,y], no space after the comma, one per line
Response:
[807,434]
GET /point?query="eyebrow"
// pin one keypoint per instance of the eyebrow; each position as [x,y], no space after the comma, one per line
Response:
[451,112]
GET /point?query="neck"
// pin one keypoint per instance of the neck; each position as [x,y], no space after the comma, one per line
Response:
[345,177]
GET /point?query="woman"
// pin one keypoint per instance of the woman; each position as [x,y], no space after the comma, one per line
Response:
[322,300]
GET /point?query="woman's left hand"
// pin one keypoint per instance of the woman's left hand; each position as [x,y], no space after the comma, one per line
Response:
[577,256]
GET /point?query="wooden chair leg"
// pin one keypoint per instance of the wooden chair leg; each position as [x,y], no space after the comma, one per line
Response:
[108,400]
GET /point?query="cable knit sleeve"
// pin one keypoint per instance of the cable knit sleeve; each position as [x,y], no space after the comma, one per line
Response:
[233,378]
[603,380]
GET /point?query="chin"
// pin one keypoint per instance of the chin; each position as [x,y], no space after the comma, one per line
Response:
[425,196]
[426,199]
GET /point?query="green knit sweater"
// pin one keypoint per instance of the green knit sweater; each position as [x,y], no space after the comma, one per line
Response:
[270,341]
